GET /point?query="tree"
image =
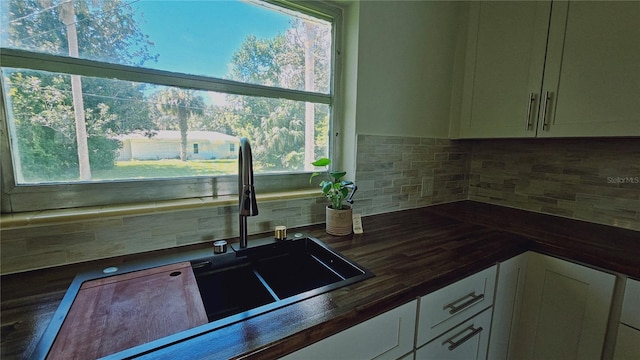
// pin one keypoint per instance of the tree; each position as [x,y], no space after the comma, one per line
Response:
[180,104]
[296,59]
[107,30]
[44,120]
[68,17]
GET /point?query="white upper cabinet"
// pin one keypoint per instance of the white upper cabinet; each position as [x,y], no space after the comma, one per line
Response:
[503,69]
[592,74]
[552,69]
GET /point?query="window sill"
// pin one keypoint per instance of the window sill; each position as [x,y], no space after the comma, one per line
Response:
[51,217]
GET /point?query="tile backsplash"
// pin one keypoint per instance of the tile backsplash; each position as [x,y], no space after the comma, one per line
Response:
[587,179]
[396,173]
[596,180]
[35,247]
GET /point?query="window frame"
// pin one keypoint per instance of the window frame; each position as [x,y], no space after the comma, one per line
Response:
[29,197]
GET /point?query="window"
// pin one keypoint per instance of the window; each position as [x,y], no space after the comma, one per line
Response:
[103,100]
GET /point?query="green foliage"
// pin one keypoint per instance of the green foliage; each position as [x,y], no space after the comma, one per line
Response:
[102,152]
[158,169]
[42,106]
[123,99]
[277,127]
[335,189]
[108,30]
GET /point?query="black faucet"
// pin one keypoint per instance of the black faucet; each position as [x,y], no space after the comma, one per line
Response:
[246,193]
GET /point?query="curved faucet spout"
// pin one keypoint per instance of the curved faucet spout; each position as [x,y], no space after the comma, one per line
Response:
[246,192]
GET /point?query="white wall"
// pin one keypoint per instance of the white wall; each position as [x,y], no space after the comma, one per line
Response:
[345,144]
[398,60]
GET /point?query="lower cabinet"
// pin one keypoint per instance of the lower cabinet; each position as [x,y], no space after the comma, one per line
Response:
[555,310]
[531,306]
[445,308]
[386,336]
[507,306]
[628,341]
[467,341]
[454,322]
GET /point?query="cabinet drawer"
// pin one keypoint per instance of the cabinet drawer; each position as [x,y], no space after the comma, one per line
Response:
[386,336]
[468,340]
[445,308]
[631,306]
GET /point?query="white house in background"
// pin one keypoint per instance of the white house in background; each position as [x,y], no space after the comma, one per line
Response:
[165,144]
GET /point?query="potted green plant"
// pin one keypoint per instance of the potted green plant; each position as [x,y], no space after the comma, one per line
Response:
[338,215]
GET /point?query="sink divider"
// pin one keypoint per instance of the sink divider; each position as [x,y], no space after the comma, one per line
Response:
[266,285]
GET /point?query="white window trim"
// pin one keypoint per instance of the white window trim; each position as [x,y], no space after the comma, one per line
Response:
[21,198]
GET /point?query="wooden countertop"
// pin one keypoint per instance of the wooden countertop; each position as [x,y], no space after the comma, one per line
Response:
[411,252]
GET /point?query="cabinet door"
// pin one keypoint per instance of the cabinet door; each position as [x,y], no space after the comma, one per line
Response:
[627,344]
[506,306]
[631,304]
[466,341]
[565,310]
[628,341]
[387,336]
[592,73]
[503,68]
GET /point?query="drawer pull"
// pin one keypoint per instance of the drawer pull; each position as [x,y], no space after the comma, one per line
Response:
[473,298]
[545,121]
[532,100]
[454,344]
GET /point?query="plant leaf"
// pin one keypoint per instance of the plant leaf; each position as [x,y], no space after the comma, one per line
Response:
[313,175]
[338,174]
[321,162]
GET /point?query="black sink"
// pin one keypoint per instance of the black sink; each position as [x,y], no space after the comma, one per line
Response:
[234,286]
[270,274]
[304,266]
[231,290]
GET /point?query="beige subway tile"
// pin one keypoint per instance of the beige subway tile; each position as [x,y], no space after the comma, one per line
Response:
[95,250]
[33,261]
[150,244]
[12,248]
[59,242]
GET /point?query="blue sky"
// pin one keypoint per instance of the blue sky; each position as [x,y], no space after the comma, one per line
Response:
[178,28]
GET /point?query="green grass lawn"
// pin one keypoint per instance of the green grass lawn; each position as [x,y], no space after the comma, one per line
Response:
[148,169]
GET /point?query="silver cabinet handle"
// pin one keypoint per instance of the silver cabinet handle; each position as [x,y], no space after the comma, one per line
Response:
[454,344]
[545,122]
[454,308]
[532,100]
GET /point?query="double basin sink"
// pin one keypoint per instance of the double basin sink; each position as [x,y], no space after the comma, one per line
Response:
[271,274]
[238,284]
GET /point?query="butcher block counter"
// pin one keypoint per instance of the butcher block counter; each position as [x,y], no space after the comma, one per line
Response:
[411,253]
